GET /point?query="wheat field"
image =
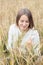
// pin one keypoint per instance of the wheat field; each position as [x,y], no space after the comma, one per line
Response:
[8,12]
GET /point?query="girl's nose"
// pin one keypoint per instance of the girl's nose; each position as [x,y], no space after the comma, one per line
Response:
[24,23]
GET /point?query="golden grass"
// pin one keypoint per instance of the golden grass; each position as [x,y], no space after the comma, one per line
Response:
[8,11]
[16,56]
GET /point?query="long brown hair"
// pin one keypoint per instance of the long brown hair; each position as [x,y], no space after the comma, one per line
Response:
[28,13]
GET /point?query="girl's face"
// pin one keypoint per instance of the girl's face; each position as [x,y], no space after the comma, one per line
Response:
[23,23]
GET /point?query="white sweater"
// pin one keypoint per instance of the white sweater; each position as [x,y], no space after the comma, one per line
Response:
[14,34]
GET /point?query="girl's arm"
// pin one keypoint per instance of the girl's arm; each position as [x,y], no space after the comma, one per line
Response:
[36,42]
[10,40]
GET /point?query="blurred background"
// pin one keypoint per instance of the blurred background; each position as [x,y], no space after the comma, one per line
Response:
[8,12]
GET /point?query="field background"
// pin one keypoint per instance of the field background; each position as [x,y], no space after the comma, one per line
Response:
[8,12]
[9,9]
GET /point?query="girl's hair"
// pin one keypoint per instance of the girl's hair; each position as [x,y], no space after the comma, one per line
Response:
[28,13]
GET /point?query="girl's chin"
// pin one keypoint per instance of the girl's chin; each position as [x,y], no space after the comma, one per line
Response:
[23,29]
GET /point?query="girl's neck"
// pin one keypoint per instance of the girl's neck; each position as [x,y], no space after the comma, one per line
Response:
[24,32]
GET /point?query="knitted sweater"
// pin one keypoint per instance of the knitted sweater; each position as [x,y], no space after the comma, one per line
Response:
[14,38]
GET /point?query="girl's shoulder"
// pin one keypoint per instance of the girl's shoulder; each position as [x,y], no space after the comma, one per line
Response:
[14,29]
[12,26]
[35,32]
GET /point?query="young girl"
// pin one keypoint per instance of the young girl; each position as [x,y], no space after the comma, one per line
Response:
[23,33]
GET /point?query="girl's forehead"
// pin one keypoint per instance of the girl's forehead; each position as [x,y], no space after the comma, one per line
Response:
[24,16]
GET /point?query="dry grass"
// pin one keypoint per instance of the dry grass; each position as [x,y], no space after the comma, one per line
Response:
[17,57]
[8,11]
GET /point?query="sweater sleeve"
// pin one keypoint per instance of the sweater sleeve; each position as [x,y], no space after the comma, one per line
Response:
[36,42]
[10,40]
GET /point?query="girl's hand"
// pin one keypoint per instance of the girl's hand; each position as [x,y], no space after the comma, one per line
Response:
[29,44]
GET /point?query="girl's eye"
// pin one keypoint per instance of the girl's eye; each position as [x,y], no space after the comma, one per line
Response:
[22,21]
[27,22]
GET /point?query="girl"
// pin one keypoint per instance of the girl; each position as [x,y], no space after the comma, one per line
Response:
[23,33]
